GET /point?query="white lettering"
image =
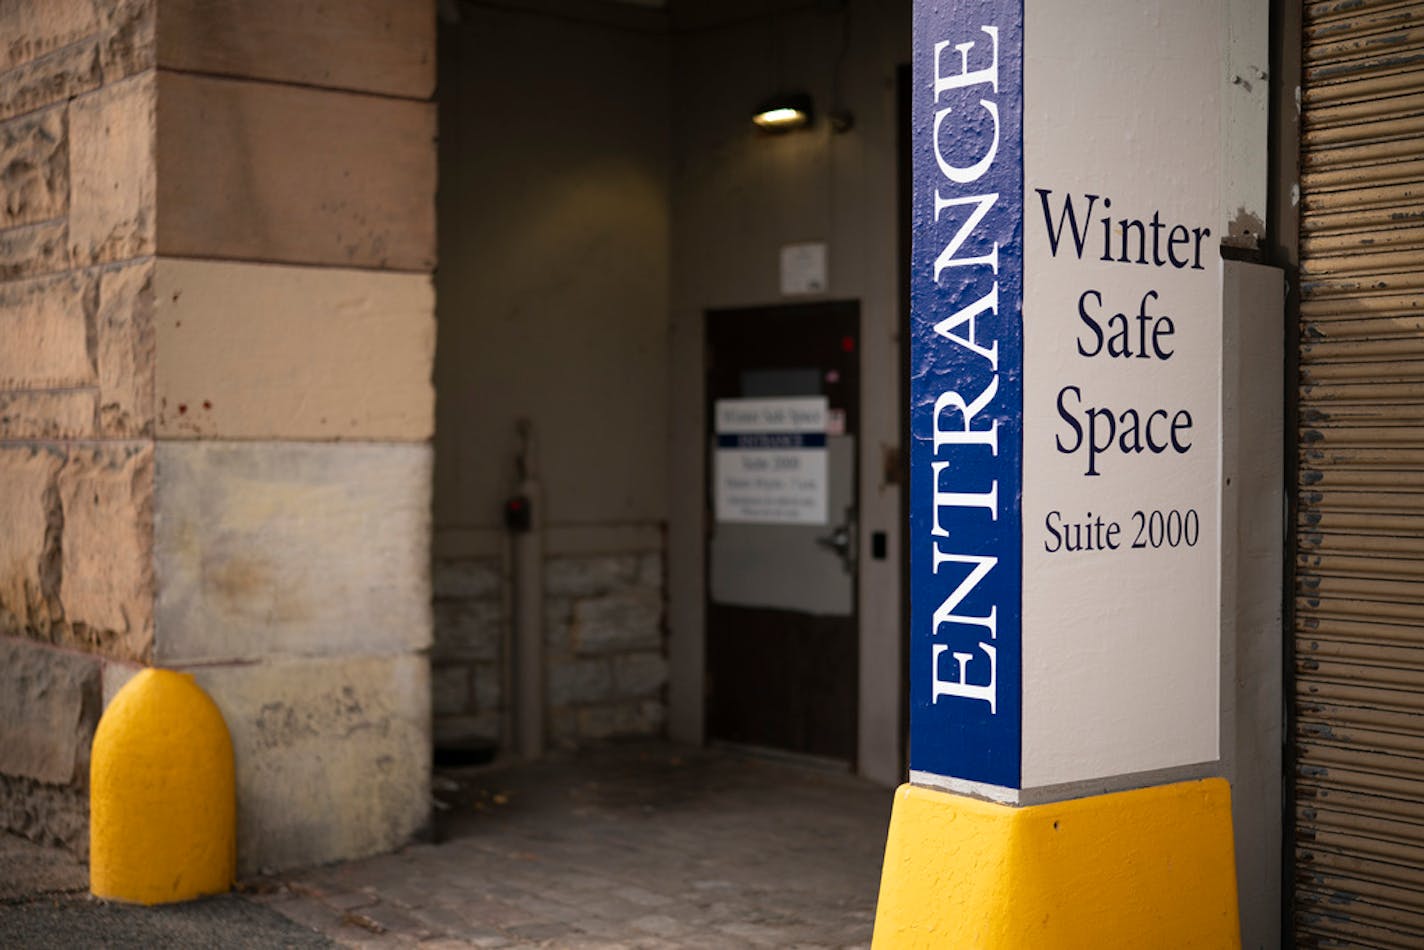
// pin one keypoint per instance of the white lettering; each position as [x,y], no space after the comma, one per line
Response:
[990,302]
[984,692]
[964,77]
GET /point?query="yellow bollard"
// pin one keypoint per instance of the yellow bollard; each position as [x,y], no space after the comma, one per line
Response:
[162,805]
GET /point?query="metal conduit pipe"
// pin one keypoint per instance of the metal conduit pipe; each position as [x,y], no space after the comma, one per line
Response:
[527,581]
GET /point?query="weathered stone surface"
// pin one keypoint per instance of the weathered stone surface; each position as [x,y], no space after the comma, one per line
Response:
[33,250]
[558,618]
[468,579]
[381,46]
[624,621]
[127,44]
[116,676]
[34,170]
[623,719]
[450,688]
[54,78]
[33,28]
[650,570]
[588,576]
[112,170]
[577,681]
[469,629]
[260,171]
[126,350]
[49,706]
[29,543]
[270,548]
[106,589]
[45,331]
[487,692]
[453,730]
[49,814]
[333,755]
[639,674]
[227,366]
[48,414]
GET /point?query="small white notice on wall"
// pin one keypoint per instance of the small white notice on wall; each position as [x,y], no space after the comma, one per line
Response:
[803,269]
[770,461]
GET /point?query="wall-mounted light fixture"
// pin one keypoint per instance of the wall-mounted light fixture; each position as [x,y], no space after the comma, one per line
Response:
[784,112]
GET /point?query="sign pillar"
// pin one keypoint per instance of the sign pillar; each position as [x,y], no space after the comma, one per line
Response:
[1066,354]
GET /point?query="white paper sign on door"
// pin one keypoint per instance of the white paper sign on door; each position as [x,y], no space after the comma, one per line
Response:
[770,461]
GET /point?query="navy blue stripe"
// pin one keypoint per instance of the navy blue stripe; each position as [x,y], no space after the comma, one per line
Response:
[772,440]
[954,735]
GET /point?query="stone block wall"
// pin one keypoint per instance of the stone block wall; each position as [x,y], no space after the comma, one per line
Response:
[467,662]
[218,329]
[604,647]
[76,411]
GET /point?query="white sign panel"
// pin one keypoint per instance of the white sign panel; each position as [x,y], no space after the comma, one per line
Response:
[770,462]
[1122,382]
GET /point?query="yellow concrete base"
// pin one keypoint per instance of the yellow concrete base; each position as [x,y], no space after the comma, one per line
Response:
[1147,868]
[162,805]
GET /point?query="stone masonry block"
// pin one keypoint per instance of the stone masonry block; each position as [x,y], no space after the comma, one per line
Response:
[639,674]
[126,350]
[37,249]
[468,579]
[470,629]
[48,414]
[650,570]
[49,706]
[333,755]
[106,590]
[113,174]
[385,47]
[261,171]
[488,693]
[34,28]
[64,74]
[573,682]
[29,543]
[623,719]
[630,620]
[558,615]
[450,689]
[292,548]
[128,40]
[588,576]
[228,367]
[487,688]
[44,326]
[49,814]
[34,168]
[455,730]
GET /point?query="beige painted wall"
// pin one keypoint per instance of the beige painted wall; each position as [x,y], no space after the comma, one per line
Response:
[553,284]
[737,197]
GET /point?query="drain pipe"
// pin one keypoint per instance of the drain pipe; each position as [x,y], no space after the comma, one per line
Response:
[524,519]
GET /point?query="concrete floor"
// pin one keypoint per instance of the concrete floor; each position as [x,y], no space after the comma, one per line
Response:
[644,845]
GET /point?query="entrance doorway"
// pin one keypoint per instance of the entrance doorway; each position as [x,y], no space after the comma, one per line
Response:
[783,394]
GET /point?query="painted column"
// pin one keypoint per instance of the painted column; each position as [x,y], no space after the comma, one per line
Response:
[1065,484]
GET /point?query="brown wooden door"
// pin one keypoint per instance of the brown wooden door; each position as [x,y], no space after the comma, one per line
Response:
[782,645]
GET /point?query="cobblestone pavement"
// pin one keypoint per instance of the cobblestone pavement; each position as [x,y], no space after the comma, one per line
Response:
[642,846]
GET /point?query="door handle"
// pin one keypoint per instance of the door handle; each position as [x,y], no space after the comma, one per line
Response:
[841,542]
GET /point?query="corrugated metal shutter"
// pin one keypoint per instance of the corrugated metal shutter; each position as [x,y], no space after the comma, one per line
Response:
[1359,629]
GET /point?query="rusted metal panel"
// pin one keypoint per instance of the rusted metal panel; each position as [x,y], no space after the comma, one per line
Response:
[1359,559]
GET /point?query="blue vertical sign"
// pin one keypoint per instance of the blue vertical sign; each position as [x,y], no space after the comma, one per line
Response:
[966,391]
